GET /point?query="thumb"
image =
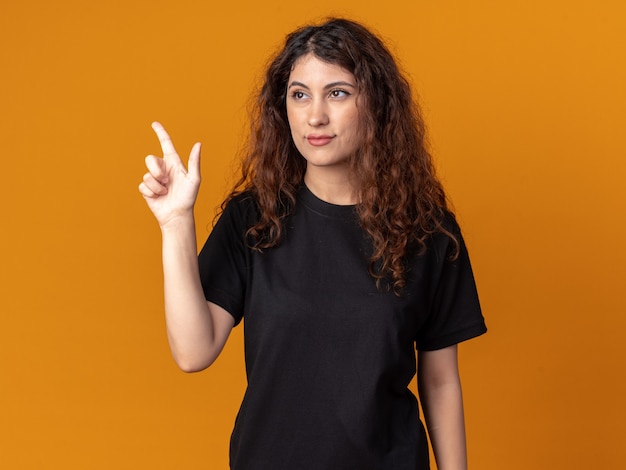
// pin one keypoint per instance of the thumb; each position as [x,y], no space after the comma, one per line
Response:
[193,166]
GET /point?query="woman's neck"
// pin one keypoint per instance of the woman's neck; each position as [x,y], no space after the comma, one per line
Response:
[332,188]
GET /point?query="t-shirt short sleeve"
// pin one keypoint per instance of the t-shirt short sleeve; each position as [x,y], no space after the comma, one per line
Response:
[224,259]
[455,314]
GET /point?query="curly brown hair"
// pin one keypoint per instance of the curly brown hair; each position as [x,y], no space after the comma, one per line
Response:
[401,201]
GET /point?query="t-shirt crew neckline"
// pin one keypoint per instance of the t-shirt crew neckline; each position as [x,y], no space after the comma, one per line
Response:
[314,203]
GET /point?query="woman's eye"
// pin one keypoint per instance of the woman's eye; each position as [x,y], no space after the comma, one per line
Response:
[298,95]
[338,93]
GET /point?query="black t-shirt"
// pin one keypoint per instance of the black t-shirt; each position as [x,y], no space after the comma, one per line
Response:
[328,355]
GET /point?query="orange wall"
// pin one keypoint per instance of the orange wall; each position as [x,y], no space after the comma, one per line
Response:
[525,103]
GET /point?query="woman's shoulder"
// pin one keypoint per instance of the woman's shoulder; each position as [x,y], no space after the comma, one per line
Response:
[242,205]
[241,198]
[446,234]
[449,222]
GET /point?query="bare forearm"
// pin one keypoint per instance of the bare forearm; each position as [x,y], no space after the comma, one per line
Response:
[442,400]
[443,409]
[190,327]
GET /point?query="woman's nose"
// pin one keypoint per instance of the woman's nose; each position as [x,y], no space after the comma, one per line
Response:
[318,115]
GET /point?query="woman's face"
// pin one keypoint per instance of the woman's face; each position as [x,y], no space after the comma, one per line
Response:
[323,114]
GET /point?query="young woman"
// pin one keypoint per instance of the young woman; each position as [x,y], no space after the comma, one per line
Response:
[339,252]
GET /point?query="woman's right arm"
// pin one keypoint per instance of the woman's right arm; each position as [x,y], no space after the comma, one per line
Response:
[197,330]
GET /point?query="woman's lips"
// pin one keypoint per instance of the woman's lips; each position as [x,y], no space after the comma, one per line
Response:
[319,140]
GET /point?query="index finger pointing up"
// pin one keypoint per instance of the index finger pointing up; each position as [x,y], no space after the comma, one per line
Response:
[166,143]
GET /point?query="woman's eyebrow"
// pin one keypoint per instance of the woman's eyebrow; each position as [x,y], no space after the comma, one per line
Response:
[330,85]
[300,84]
[339,83]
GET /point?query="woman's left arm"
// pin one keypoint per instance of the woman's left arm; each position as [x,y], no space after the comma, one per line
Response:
[442,401]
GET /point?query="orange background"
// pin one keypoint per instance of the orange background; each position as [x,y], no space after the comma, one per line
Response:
[525,102]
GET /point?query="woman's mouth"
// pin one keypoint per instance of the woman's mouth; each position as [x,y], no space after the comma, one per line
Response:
[319,140]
